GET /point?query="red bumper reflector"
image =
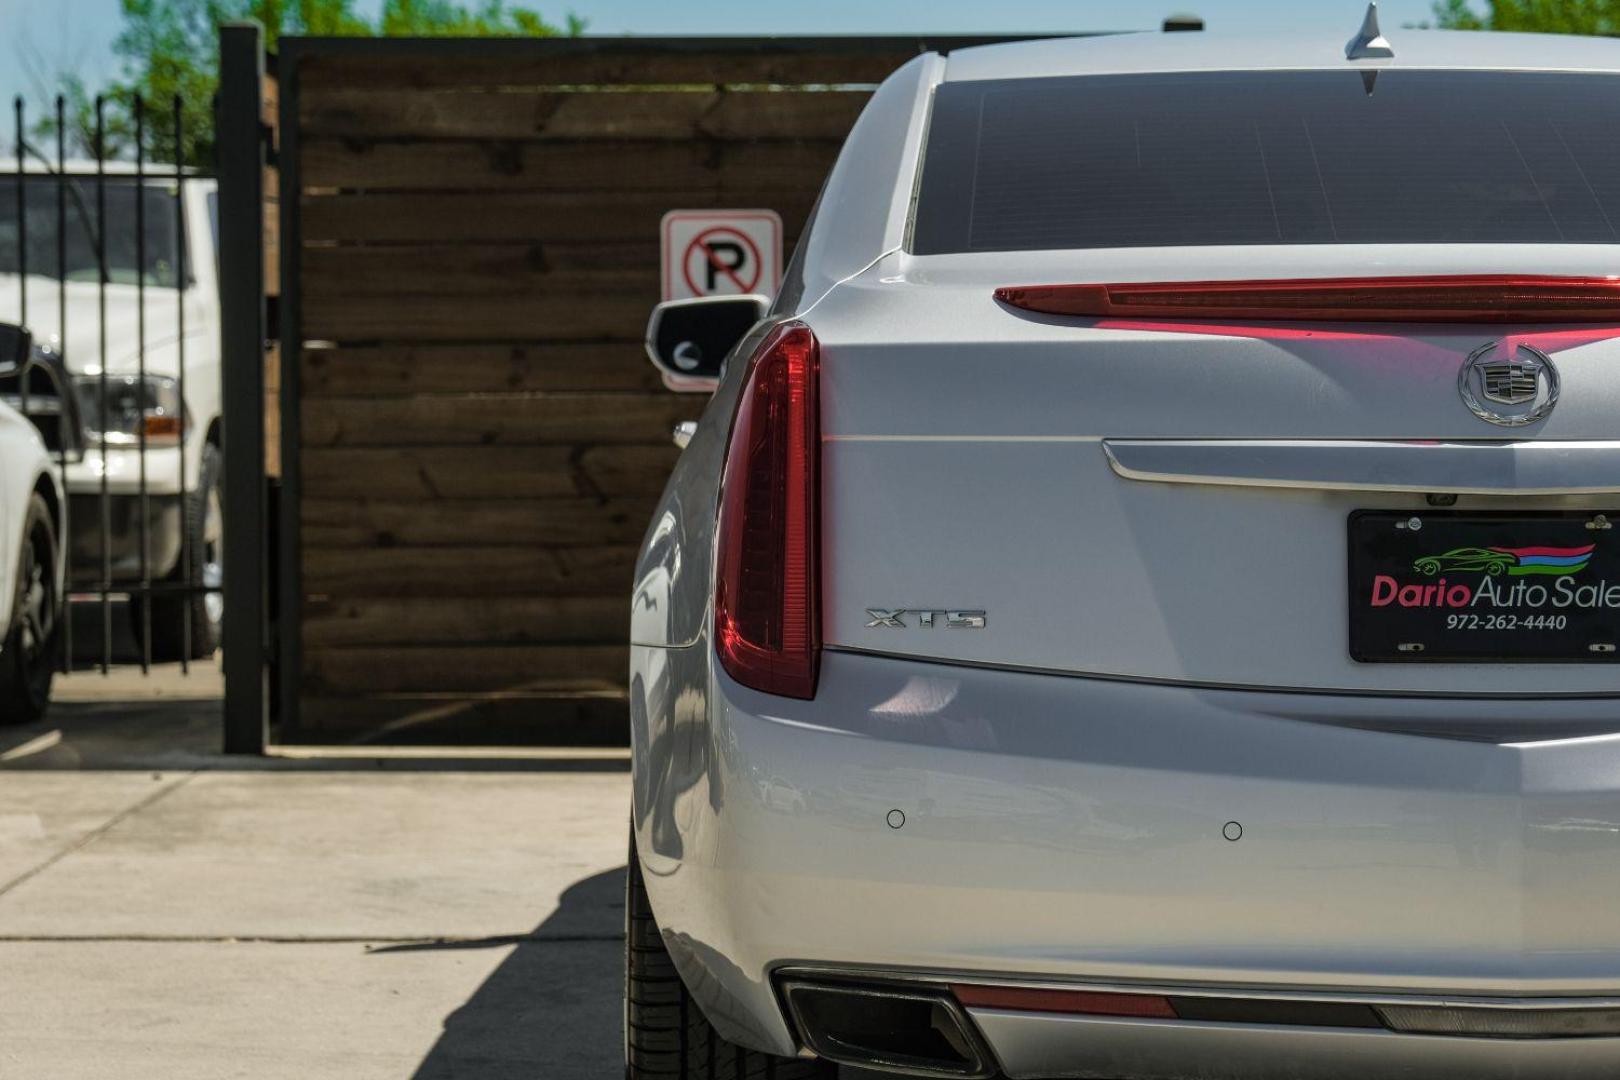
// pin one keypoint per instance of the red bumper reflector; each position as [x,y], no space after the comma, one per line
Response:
[1454,298]
[1078,1002]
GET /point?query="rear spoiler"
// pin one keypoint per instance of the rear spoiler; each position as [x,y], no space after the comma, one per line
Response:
[1466,298]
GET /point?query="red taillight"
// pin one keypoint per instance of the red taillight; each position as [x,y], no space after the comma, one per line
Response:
[767,605]
[1078,1002]
[1456,298]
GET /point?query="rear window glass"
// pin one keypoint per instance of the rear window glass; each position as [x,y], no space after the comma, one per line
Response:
[1319,157]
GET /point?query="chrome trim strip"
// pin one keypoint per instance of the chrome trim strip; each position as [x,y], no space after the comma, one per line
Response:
[1246,688]
[1457,468]
[858,974]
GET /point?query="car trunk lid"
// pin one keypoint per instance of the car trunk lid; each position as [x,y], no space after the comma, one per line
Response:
[1171,499]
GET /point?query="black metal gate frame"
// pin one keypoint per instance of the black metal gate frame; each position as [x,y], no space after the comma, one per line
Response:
[263,660]
[241,144]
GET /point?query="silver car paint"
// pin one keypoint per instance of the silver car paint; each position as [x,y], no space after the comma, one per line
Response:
[1070,828]
[1046,1048]
[1073,829]
[1280,50]
[867,197]
[958,428]
[861,217]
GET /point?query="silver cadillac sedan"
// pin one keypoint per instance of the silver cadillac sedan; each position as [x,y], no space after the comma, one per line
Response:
[1143,600]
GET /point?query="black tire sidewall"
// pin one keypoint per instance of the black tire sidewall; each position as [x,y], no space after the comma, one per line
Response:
[168,613]
[681,1044]
[25,685]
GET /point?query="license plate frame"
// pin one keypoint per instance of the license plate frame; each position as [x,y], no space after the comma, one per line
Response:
[1533,595]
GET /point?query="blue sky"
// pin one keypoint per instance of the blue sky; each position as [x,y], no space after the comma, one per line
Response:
[39,39]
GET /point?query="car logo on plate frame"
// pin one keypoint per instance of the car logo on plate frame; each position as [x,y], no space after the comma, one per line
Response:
[1514,390]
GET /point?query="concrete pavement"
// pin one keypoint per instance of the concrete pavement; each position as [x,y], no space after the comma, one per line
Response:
[168,914]
[295,924]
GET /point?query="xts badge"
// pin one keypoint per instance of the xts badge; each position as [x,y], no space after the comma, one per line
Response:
[895,618]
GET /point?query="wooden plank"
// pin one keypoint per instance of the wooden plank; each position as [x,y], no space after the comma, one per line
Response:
[496,419]
[272,248]
[422,369]
[621,62]
[598,718]
[494,269]
[272,410]
[271,243]
[517,217]
[269,101]
[478,668]
[598,569]
[580,114]
[611,313]
[484,620]
[474,523]
[487,472]
[722,171]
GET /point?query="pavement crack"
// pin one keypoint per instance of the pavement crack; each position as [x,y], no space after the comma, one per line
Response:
[97,833]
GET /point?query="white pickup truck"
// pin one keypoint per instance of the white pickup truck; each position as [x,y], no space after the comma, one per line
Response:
[160,300]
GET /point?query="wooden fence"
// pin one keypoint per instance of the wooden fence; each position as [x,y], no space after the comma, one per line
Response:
[473,440]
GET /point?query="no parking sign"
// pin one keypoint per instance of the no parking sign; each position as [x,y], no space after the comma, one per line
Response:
[721,253]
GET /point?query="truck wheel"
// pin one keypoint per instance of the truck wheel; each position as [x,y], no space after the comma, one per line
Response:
[666,1036]
[204,523]
[28,655]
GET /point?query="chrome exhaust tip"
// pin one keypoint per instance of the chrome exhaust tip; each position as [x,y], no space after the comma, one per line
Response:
[916,1031]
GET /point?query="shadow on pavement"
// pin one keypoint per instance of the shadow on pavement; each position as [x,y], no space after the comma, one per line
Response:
[552,1010]
[158,735]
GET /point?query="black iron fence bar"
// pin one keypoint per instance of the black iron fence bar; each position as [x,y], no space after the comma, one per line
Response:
[240,146]
[114,581]
[22,247]
[143,608]
[22,234]
[61,340]
[181,206]
[100,240]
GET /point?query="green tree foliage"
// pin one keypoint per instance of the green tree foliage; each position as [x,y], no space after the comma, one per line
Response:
[170,49]
[1545,16]
[493,18]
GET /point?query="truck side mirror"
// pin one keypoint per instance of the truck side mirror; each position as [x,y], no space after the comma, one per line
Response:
[15,343]
[689,340]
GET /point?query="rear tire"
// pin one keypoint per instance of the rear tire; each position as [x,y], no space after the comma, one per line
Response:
[666,1036]
[29,653]
[203,522]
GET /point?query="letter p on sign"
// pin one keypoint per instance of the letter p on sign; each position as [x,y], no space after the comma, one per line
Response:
[721,253]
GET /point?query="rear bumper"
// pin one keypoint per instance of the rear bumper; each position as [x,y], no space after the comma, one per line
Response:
[1265,1035]
[1033,1045]
[126,471]
[1077,830]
